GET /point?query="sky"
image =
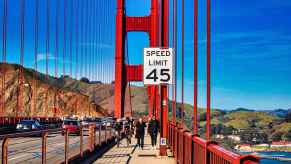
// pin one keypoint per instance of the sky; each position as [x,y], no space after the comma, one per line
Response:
[251,48]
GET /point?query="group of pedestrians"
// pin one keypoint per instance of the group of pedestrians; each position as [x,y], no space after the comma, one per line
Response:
[138,128]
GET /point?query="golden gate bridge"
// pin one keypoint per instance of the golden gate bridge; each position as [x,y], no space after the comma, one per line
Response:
[72,35]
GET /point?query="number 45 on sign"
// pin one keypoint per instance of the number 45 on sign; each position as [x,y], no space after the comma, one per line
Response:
[158,66]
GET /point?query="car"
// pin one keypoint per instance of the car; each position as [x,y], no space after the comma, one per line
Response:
[73,126]
[28,125]
[98,121]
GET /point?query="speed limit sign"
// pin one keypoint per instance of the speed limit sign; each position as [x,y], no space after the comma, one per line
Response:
[158,66]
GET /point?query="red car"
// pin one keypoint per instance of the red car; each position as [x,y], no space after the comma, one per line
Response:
[73,126]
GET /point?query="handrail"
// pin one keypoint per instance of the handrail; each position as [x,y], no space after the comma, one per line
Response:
[88,146]
[200,150]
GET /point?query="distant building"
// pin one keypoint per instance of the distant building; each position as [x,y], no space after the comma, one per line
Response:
[281,144]
[234,137]
[219,136]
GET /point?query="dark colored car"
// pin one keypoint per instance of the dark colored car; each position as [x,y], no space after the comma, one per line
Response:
[28,125]
[73,126]
[98,121]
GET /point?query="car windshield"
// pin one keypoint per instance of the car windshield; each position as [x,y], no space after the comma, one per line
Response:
[69,122]
[26,122]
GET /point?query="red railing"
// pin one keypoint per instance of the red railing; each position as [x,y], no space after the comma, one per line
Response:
[191,149]
[55,146]
[5,121]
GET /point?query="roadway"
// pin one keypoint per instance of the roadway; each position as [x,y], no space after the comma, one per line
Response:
[28,149]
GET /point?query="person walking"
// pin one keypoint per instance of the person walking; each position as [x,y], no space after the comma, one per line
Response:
[140,131]
[118,128]
[127,129]
[153,130]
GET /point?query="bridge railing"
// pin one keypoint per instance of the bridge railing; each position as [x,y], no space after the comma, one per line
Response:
[54,145]
[191,149]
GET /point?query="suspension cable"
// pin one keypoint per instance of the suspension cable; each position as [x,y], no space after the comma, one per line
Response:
[65,37]
[195,117]
[57,37]
[174,88]
[182,49]
[98,48]
[82,40]
[47,53]
[56,54]
[71,38]
[208,130]
[90,40]
[76,8]
[86,38]
[94,40]
[129,83]
[47,37]
[20,75]
[35,56]
[4,41]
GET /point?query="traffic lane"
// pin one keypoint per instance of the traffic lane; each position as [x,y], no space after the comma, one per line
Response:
[28,150]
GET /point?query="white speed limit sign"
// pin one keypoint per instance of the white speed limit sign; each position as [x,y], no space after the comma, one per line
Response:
[158,67]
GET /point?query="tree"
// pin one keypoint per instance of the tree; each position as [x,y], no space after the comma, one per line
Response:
[277,136]
[288,117]
[287,136]
[85,80]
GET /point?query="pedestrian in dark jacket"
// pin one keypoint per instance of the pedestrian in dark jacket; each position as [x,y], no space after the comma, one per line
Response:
[118,129]
[153,130]
[140,131]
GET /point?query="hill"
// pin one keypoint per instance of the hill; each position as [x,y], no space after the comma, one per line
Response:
[60,96]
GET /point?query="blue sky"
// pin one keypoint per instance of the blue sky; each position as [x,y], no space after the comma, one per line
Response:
[251,52]
[251,49]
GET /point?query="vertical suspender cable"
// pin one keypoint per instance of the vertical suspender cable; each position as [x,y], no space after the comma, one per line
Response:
[129,84]
[4,41]
[86,37]
[98,41]
[47,53]
[71,38]
[76,8]
[175,52]
[101,40]
[56,53]
[82,39]
[195,116]
[90,39]
[182,71]
[57,37]
[65,37]
[35,58]
[20,75]
[208,69]
[95,43]
[108,34]
[47,45]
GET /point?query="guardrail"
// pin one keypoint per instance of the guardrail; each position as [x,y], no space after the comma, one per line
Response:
[191,149]
[55,146]
[14,120]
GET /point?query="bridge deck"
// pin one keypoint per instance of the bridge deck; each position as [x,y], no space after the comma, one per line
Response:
[133,155]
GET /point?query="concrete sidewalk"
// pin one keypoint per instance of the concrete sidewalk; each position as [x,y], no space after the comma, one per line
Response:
[133,155]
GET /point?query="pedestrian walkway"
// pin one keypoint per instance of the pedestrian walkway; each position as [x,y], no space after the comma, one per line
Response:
[133,155]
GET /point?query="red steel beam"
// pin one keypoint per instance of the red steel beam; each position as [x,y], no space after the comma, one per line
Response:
[134,73]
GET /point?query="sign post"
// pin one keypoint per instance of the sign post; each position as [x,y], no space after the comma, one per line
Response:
[159,70]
